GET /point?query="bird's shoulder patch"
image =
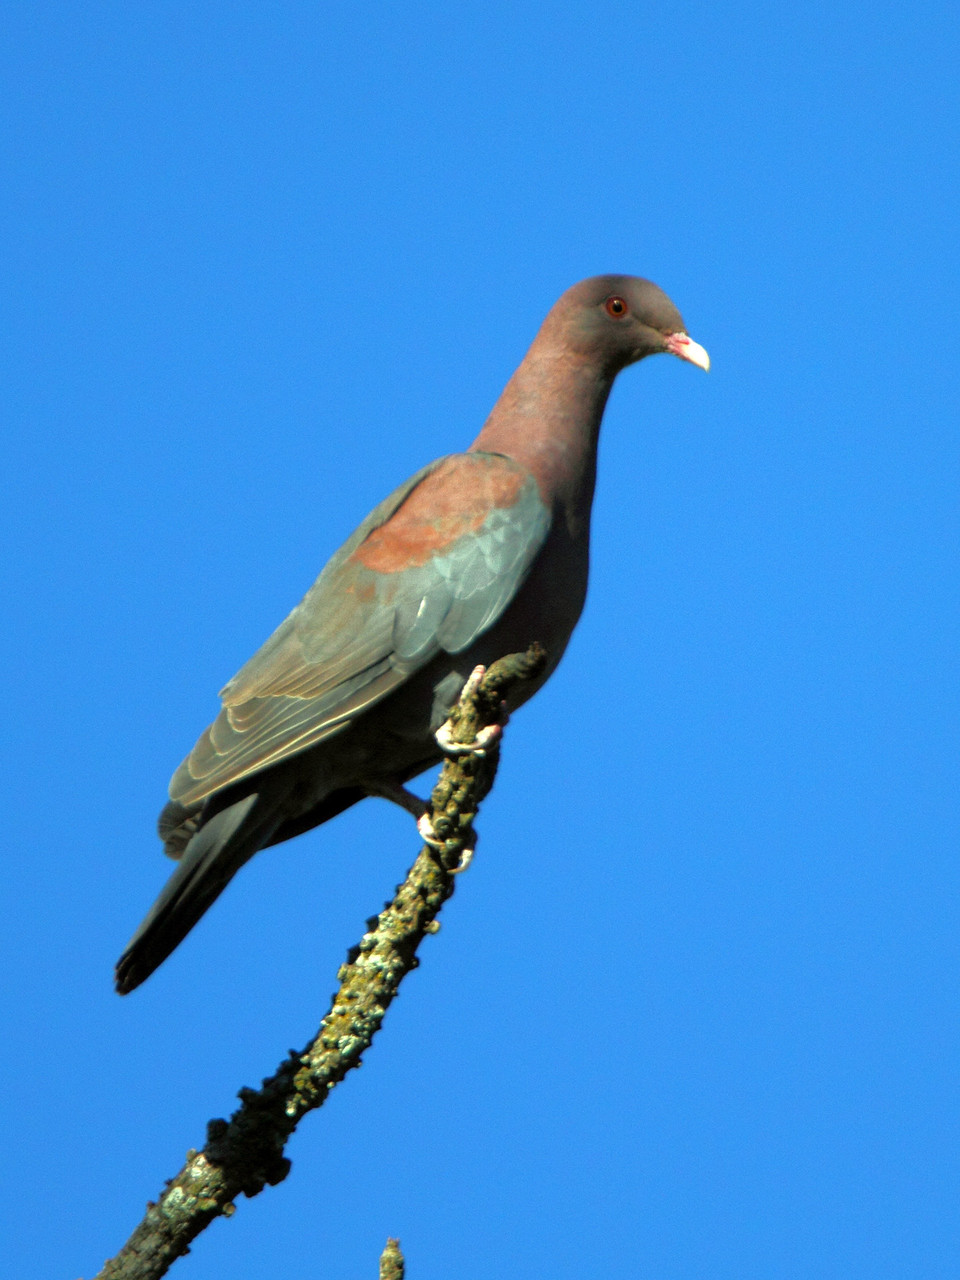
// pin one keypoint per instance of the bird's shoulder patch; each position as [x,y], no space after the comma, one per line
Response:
[455,499]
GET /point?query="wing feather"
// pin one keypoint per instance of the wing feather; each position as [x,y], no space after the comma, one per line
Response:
[430,569]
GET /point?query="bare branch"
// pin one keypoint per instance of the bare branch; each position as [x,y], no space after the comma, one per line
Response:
[244,1154]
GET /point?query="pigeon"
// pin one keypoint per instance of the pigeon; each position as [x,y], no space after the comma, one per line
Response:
[477,555]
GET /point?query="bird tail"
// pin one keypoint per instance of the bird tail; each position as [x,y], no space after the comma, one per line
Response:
[210,861]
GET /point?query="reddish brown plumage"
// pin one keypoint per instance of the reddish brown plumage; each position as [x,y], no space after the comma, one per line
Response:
[452,501]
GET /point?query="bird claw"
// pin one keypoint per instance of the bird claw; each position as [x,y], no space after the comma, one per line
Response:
[427,833]
[466,857]
[473,681]
[481,744]
[429,836]
[485,739]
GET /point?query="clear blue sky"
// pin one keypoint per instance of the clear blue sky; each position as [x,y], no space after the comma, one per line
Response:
[693,1012]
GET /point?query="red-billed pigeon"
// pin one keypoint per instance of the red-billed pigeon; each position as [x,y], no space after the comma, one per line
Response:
[476,556]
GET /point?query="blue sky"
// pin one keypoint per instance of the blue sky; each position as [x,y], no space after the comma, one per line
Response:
[693,1012]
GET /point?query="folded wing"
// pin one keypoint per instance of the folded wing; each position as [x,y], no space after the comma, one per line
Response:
[430,569]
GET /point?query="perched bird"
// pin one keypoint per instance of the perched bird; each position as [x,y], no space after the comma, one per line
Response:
[476,556]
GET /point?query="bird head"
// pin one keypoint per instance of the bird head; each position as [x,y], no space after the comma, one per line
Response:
[618,320]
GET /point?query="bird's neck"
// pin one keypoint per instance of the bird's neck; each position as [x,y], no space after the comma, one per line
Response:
[548,419]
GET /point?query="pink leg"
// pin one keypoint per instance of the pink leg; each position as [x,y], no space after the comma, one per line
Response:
[397,793]
[427,833]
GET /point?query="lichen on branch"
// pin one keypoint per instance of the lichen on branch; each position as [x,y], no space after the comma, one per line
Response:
[244,1154]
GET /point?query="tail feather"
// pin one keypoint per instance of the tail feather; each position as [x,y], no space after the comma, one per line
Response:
[209,862]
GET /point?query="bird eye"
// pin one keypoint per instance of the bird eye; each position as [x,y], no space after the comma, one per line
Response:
[616,307]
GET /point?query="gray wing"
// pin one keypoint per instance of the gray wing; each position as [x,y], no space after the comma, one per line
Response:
[430,569]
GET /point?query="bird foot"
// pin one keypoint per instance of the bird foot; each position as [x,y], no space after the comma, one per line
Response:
[429,836]
[427,833]
[485,739]
[481,744]
[421,811]
[466,857]
[396,793]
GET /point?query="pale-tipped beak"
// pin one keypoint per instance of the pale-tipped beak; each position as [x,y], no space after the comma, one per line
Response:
[682,345]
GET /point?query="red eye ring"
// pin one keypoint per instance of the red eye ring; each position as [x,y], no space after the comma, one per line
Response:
[616,307]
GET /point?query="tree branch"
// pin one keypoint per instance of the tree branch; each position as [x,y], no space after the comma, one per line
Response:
[245,1154]
[391,1261]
